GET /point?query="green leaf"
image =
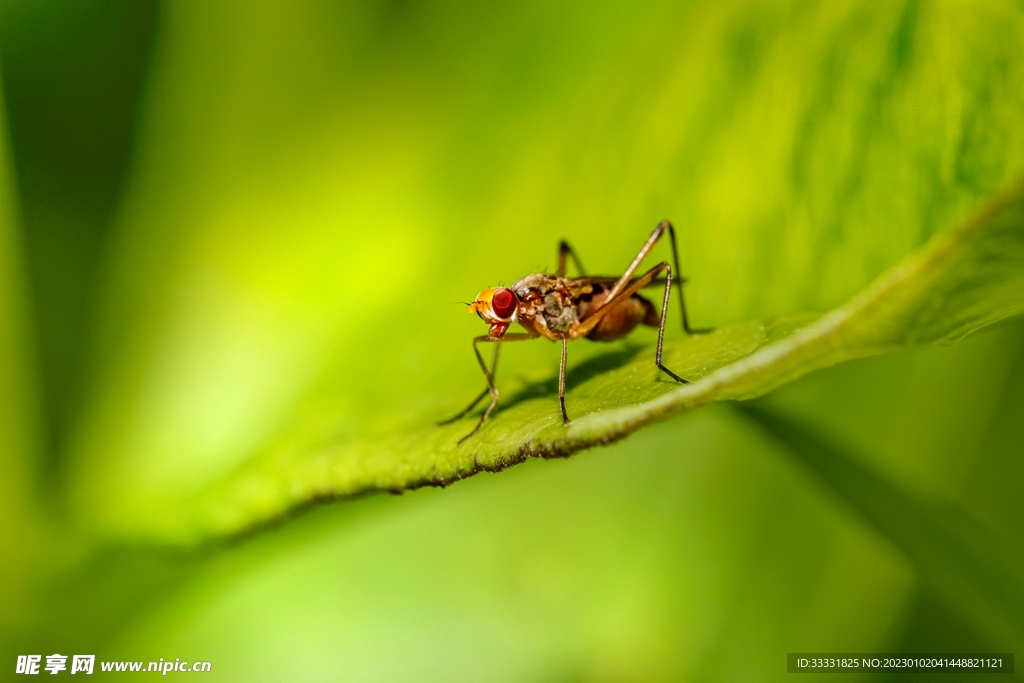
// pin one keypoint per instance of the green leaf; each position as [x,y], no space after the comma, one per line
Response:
[690,552]
[959,282]
[314,187]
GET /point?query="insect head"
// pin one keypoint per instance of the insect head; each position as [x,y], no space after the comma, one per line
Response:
[496,306]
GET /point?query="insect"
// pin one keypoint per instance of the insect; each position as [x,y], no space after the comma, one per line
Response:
[562,309]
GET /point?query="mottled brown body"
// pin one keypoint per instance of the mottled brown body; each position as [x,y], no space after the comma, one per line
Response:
[553,307]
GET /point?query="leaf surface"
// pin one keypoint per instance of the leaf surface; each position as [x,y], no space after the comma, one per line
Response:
[959,282]
[314,188]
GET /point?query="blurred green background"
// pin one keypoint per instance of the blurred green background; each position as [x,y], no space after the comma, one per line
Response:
[226,226]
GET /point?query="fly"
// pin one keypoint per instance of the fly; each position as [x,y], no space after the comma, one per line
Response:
[562,309]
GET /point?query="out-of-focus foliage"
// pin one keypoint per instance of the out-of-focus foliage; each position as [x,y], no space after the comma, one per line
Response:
[970,566]
[233,235]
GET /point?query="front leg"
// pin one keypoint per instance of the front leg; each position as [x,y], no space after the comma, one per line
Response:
[462,413]
[489,376]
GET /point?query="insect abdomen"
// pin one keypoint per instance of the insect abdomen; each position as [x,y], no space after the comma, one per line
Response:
[624,318]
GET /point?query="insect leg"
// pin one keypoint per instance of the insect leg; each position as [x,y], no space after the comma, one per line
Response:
[661,326]
[489,376]
[624,281]
[561,381]
[659,231]
[462,413]
[584,327]
[564,251]
[588,325]
[680,281]
[595,314]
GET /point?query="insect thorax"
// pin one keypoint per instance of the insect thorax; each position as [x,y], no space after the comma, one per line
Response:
[547,304]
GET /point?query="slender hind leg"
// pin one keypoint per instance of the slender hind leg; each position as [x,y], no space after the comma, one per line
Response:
[584,327]
[661,229]
[661,325]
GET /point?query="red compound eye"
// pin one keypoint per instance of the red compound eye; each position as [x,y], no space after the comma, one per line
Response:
[504,303]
